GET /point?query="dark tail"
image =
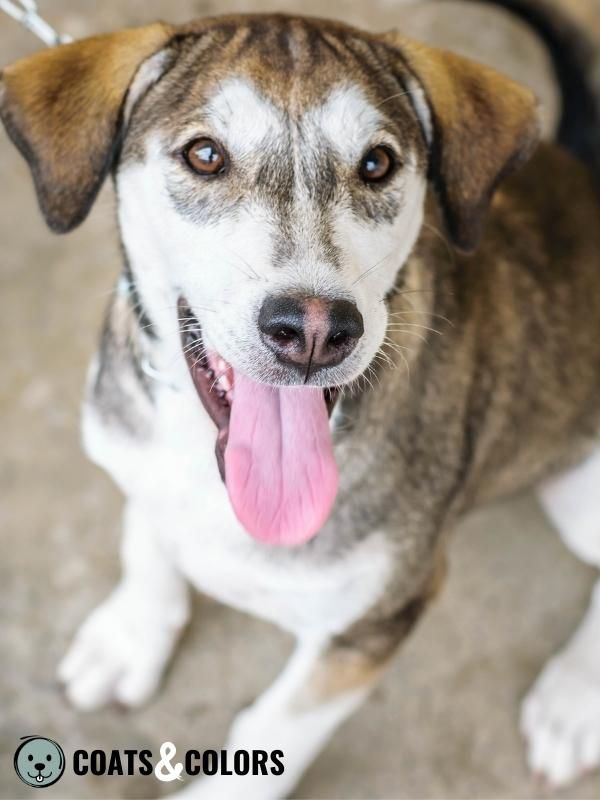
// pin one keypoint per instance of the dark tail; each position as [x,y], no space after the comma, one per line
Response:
[576,59]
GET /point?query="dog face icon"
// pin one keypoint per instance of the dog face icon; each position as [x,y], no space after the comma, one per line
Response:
[39,762]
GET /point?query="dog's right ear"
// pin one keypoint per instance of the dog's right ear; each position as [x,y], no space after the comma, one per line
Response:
[63,108]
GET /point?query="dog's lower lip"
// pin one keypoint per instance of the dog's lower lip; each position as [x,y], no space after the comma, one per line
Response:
[216,398]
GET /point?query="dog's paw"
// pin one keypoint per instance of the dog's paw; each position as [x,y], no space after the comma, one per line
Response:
[118,654]
[560,719]
[226,787]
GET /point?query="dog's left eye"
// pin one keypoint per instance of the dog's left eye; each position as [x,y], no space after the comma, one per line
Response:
[205,157]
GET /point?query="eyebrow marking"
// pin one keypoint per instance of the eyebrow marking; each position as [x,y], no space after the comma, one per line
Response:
[242,116]
[347,119]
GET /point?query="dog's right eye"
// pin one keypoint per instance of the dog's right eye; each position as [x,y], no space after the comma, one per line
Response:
[205,157]
[377,164]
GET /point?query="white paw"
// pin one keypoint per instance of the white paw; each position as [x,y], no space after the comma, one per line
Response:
[118,654]
[232,787]
[560,719]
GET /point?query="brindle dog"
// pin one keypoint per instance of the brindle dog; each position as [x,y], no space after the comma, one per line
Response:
[281,184]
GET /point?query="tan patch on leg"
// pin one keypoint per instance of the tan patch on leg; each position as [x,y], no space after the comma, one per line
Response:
[340,672]
[357,658]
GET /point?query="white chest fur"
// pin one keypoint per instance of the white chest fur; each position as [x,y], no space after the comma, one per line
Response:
[174,476]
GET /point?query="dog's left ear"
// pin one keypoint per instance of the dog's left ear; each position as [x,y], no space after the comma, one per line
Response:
[63,109]
[480,125]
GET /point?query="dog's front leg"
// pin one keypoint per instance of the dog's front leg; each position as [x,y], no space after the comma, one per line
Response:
[324,682]
[120,651]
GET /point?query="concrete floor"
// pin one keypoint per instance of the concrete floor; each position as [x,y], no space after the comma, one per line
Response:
[444,722]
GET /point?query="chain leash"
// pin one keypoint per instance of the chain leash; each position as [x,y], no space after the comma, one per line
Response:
[26,13]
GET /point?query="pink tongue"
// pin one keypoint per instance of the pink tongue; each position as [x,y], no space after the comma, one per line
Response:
[279,467]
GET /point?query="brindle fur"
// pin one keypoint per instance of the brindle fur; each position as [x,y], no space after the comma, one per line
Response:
[506,390]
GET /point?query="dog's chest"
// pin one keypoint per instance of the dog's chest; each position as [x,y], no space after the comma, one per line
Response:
[175,478]
[305,598]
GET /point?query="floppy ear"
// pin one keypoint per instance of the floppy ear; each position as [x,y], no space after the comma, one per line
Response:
[481,125]
[63,109]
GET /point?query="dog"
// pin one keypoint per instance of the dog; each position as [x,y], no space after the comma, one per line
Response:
[302,384]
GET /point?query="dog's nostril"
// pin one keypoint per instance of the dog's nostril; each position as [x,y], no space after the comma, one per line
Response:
[338,339]
[285,334]
[346,323]
[281,320]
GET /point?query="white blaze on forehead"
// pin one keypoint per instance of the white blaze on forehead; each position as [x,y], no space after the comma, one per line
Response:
[242,116]
[348,120]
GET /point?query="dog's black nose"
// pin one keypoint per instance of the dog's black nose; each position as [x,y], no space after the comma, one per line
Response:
[310,332]
[39,766]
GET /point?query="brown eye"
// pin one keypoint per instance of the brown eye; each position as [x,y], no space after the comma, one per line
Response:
[205,157]
[376,164]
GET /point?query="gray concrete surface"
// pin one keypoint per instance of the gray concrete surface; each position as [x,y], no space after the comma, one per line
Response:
[444,722]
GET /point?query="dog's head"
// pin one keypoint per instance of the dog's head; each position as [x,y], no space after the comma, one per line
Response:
[271,174]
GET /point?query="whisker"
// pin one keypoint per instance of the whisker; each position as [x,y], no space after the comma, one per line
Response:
[400,292]
[395,345]
[392,97]
[198,360]
[414,334]
[218,378]
[401,325]
[191,350]
[368,271]
[440,235]
[388,343]
[243,260]
[371,371]
[380,354]
[417,311]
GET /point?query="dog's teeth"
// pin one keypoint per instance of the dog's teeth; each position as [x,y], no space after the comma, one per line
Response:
[225,382]
[210,374]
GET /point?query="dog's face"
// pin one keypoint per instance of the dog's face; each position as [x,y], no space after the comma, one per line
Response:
[277,188]
[271,174]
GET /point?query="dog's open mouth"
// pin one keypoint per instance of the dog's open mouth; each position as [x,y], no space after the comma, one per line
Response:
[273,447]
